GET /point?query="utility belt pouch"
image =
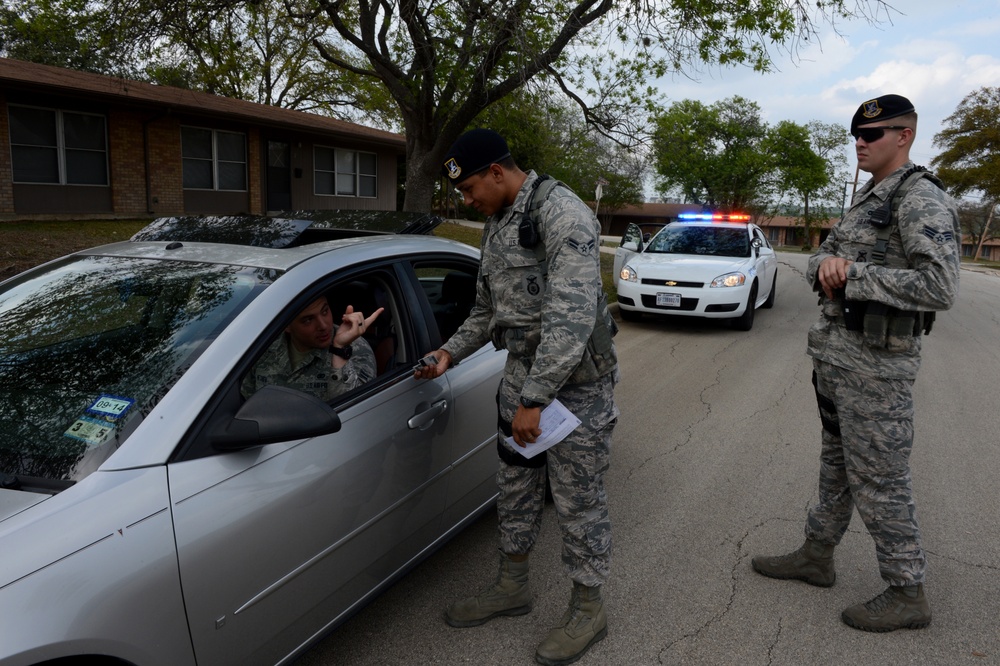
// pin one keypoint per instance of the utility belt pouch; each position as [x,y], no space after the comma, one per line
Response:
[854,315]
[902,324]
[876,324]
[498,337]
[924,323]
[507,454]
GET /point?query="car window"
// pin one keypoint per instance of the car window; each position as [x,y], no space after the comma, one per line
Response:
[632,237]
[450,288]
[294,360]
[719,241]
[90,345]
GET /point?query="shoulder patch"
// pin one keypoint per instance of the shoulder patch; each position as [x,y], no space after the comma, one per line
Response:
[939,237]
[584,248]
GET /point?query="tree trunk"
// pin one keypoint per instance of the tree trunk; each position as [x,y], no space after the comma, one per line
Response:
[986,230]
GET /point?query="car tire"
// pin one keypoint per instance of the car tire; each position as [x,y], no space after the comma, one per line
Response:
[745,321]
[769,303]
[629,315]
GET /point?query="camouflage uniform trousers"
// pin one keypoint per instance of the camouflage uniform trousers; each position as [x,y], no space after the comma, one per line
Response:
[867,439]
[576,468]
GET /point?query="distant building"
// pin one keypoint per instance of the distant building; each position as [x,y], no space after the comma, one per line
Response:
[74,144]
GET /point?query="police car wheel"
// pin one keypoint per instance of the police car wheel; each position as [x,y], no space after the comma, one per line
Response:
[745,321]
[769,303]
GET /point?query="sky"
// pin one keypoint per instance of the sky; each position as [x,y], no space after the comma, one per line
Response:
[933,52]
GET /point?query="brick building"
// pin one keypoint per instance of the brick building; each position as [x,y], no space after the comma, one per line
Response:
[74,144]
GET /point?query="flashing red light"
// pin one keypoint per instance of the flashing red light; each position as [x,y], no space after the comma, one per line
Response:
[714,217]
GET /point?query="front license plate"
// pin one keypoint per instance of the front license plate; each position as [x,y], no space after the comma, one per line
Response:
[668,300]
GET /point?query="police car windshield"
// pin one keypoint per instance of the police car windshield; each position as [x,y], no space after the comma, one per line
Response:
[711,240]
[89,345]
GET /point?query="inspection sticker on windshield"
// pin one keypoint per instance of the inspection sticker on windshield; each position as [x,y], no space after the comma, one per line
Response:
[92,431]
[110,407]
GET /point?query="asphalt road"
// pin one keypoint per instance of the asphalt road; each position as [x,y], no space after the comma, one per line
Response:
[716,460]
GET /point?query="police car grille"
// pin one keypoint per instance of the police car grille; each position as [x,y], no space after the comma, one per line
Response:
[663,283]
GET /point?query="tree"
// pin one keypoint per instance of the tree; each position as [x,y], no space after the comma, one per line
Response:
[970,161]
[814,168]
[718,155]
[443,62]
[64,33]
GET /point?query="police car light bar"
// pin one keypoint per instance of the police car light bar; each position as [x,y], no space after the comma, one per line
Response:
[714,217]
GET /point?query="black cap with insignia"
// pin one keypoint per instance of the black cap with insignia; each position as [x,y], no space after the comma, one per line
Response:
[472,152]
[881,108]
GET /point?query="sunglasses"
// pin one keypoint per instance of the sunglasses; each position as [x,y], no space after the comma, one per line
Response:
[873,134]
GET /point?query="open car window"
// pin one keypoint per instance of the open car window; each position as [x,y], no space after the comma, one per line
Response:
[381,351]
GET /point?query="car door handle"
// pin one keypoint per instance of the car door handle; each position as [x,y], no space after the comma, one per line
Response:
[427,414]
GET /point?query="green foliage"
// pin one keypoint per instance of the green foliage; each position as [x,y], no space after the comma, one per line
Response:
[717,155]
[430,68]
[970,142]
[64,33]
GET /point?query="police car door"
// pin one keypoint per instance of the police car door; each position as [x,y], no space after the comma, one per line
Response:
[631,244]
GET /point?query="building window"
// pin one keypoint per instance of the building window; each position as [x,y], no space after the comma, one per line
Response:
[968,250]
[58,147]
[774,235]
[345,173]
[213,159]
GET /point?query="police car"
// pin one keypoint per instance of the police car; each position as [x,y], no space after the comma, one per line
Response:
[709,265]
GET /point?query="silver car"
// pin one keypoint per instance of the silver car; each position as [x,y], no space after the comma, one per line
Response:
[150,513]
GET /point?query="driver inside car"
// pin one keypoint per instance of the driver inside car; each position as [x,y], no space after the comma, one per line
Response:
[316,357]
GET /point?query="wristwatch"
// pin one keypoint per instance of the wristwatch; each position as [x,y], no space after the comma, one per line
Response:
[531,404]
[342,352]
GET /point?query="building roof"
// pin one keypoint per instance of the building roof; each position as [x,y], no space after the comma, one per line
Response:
[32,76]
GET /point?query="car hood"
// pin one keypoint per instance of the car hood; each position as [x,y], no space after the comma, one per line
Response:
[687,267]
[13,502]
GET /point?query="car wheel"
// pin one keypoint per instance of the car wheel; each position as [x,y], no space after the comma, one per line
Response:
[745,321]
[769,303]
[629,315]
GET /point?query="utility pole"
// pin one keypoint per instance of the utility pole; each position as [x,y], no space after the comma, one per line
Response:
[979,248]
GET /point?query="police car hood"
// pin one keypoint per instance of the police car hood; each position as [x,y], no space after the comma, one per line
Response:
[687,267]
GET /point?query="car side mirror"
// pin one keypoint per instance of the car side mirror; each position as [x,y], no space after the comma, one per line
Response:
[646,236]
[276,414]
[755,244]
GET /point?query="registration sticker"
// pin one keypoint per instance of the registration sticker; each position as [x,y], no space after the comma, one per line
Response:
[92,431]
[110,407]
[664,299]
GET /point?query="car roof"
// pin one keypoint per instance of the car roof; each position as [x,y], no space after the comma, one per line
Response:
[286,229]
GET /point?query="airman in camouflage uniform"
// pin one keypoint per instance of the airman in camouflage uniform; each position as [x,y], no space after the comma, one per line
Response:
[864,368]
[545,305]
[305,356]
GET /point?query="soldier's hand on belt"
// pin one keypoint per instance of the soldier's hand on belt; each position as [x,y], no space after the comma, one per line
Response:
[524,427]
[832,274]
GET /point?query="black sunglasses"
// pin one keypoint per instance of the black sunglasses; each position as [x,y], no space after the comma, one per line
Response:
[873,134]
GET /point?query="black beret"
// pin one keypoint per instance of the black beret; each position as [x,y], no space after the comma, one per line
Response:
[881,108]
[472,152]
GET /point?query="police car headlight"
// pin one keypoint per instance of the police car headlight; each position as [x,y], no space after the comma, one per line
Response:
[628,274]
[729,280]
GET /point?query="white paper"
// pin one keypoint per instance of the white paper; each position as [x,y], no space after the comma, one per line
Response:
[556,423]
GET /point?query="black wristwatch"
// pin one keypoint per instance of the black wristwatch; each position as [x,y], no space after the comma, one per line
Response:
[531,404]
[342,352]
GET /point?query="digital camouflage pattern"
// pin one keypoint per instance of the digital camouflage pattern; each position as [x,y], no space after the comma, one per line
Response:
[542,305]
[864,390]
[311,372]
[864,462]
[920,273]
[576,468]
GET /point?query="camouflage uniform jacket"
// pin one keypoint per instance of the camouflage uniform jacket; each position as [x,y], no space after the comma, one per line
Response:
[540,304]
[311,372]
[920,273]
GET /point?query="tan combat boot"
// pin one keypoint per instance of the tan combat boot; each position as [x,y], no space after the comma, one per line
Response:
[509,595]
[896,608]
[812,563]
[583,624]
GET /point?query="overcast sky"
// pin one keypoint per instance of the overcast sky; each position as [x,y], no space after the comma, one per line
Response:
[935,52]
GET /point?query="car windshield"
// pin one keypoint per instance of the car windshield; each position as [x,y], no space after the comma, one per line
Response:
[88,347]
[701,239]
